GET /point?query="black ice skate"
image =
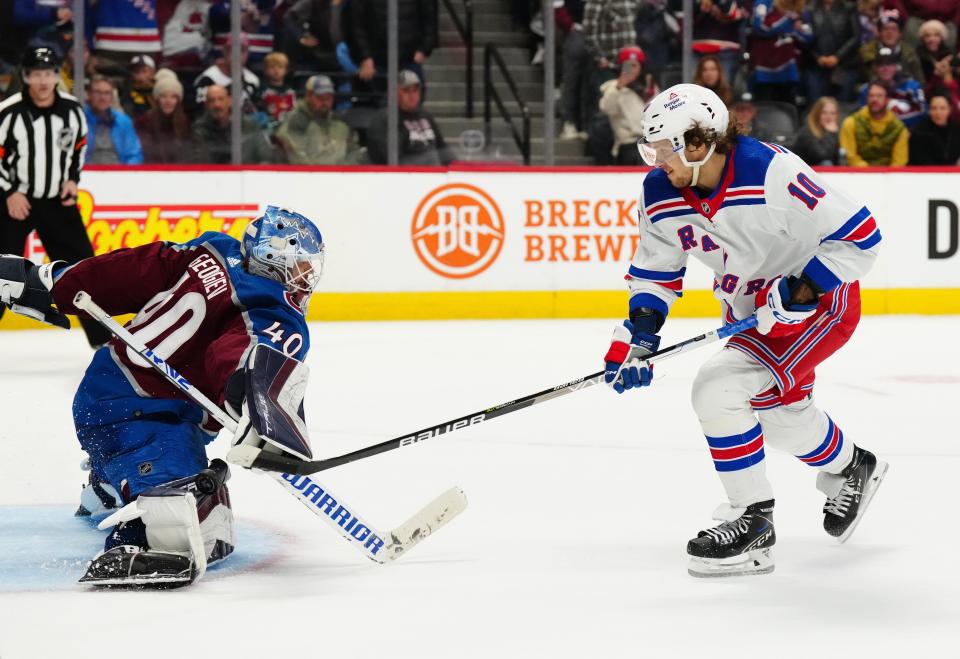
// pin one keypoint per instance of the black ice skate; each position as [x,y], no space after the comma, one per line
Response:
[844,508]
[736,547]
[131,566]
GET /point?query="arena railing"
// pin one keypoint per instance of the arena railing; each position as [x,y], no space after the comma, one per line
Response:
[492,56]
[465,30]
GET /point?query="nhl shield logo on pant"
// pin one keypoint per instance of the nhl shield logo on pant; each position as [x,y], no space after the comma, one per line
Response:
[457,231]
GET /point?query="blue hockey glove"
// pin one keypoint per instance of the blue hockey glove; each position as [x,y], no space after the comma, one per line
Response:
[776,314]
[625,368]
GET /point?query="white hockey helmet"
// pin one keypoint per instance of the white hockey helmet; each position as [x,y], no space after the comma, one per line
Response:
[672,113]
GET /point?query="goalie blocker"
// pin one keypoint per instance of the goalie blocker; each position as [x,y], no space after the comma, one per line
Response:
[266,398]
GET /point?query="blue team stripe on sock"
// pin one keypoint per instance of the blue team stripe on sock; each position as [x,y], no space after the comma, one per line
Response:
[734,440]
[823,446]
[824,454]
[742,463]
[833,454]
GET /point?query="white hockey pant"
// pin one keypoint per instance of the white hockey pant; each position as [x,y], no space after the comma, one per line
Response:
[737,434]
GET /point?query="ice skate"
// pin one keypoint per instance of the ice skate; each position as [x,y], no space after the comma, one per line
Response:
[849,493]
[132,566]
[741,545]
[127,562]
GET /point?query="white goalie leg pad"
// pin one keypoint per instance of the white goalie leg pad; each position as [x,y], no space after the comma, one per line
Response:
[757,561]
[171,520]
[216,524]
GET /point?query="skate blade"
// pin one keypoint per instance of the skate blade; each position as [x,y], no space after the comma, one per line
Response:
[868,491]
[142,582]
[758,561]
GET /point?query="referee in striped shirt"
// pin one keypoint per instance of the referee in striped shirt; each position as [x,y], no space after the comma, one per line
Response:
[43,137]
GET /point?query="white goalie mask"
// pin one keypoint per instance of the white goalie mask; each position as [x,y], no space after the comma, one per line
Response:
[286,247]
[672,113]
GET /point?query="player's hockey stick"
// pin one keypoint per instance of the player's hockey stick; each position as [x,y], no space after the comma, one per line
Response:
[275,462]
[318,498]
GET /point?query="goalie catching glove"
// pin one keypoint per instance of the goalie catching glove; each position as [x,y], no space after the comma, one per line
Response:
[25,288]
[266,398]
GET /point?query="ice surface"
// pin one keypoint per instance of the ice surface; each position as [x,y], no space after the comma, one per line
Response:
[46,548]
[580,509]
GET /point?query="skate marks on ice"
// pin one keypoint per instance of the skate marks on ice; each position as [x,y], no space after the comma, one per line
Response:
[46,548]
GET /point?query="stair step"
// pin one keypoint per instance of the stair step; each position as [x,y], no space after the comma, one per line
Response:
[483,6]
[442,108]
[458,73]
[573,149]
[498,127]
[446,95]
[482,22]
[452,91]
[481,38]
[456,54]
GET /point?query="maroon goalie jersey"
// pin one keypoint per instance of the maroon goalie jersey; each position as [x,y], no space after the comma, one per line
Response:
[196,307]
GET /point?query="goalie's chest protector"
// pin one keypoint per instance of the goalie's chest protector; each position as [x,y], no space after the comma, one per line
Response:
[732,230]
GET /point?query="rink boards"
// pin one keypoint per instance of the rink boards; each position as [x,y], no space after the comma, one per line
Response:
[497,242]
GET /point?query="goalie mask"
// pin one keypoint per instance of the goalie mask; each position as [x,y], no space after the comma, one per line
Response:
[286,247]
[671,114]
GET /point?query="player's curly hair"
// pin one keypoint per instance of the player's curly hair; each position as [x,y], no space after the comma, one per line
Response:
[699,135]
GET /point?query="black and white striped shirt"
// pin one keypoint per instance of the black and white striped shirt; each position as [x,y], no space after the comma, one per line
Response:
[40,148]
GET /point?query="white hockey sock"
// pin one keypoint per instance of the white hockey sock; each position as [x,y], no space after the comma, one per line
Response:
[736,446]
[808,433]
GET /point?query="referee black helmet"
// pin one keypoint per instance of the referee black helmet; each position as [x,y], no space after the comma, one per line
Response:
[39,58]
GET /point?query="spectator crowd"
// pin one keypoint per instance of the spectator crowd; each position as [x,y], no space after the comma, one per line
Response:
[852,82]
[843,82]
[159,78]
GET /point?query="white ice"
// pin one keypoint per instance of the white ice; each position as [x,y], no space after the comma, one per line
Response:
[580,509]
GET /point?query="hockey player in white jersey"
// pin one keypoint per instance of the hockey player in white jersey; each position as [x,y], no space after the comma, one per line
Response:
[784,245]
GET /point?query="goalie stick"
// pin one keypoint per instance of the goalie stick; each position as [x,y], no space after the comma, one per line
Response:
[376,546]
[275,462]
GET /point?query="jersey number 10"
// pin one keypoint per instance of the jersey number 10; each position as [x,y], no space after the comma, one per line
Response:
[811,194]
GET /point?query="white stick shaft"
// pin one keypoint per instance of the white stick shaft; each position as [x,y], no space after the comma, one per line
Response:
[83,301]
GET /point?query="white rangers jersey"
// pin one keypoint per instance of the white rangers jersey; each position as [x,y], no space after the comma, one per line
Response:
[771,215]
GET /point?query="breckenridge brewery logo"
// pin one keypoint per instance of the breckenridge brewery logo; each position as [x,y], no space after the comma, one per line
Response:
[457,231]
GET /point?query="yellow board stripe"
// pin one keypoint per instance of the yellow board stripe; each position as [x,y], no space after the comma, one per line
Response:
[555,304]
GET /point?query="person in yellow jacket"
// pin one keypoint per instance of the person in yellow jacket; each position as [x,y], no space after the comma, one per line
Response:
[872,136]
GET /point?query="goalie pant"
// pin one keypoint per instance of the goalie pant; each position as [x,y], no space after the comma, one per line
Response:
[758,390]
